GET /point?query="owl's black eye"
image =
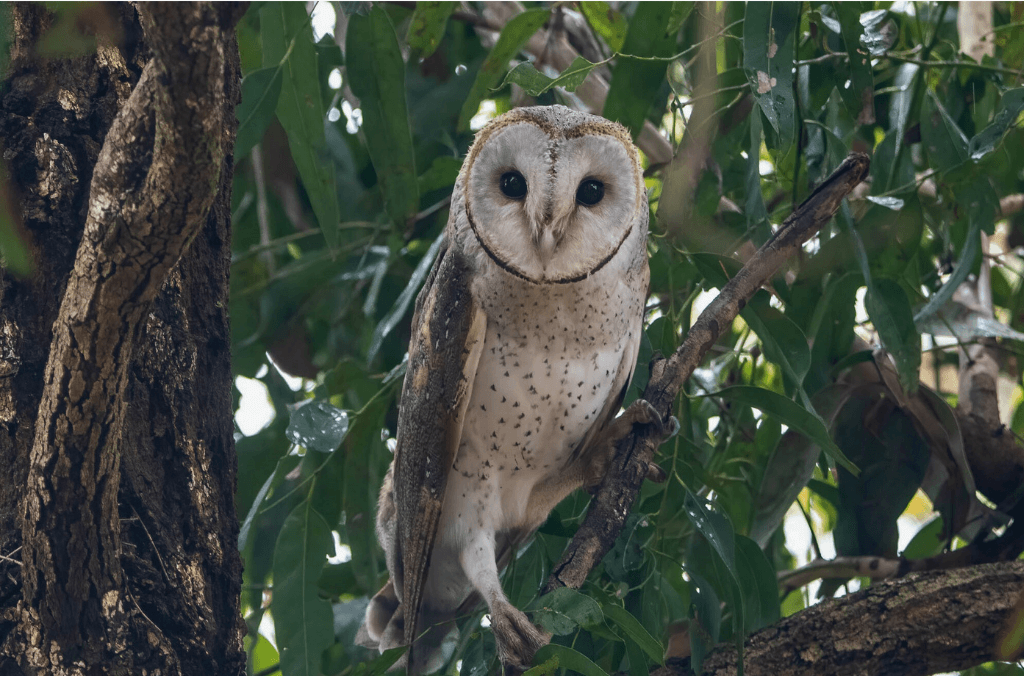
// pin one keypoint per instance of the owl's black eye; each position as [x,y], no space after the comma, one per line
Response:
[513,184]
[590,192]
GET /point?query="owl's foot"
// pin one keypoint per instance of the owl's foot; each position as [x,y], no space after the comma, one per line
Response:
[517,638]
[640,412]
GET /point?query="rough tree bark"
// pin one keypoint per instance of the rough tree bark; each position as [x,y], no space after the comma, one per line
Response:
[922,624]
[117,521]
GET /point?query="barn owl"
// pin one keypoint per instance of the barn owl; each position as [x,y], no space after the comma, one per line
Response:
[525,338]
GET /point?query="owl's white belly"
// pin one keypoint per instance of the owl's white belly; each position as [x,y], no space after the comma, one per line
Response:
[541,383]
[531,406]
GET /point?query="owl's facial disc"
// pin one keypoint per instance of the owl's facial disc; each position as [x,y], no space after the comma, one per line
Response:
[553,205]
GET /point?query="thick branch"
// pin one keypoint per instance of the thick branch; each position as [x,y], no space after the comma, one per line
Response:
[153,183]
[611,505]
[922,624]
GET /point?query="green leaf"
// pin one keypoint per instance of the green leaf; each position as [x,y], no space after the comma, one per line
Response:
[360,480]
[784,343]
[635,84]
[758,585]
[317,426]
[860,96]
[769,32]
[789,467]
[288,39]
[989,138]
[398,310]
[606,22]
[14,253]
[563,610]
[927,542]
[635,631]
[376,74]
[553,656]
[443,173]
[680,12]
[943,139]
[706,613]
[715,528]
[627,554]
[303,622]
[260,92]
[788,413]
[513,36]
[243,531]
[427,26]
[890,312]
[755,210]
[885,444]
[536,83]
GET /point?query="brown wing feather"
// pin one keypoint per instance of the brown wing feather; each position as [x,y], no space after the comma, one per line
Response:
[443,356]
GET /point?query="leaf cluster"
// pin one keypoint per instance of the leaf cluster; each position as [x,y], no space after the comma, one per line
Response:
[349,145]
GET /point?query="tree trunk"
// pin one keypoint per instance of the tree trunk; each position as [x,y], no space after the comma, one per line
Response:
[117,522]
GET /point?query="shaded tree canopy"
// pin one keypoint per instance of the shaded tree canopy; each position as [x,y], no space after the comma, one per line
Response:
[195,495]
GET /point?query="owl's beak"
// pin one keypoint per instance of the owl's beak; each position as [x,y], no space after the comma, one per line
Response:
[546,245]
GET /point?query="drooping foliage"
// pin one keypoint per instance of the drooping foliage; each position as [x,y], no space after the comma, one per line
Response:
[349,146]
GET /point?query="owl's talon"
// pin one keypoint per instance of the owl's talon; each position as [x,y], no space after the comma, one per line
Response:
[655,474]
[673,423]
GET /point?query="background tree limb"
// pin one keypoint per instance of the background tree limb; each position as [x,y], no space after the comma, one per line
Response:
[922,624]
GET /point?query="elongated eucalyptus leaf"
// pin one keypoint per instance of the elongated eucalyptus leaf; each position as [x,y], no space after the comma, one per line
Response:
[789,413]
[758,585]
[635,632]
[426,28]
[288,40]
[376,73]
[513,36]
[769,33]
[564,610]
[303,622]
[706,624]
[890,312]
[553,656]
[986,140]
[401,305]
[606,22]
[261,90]
[536,83]
[860,97]
[784,343]
[635,84]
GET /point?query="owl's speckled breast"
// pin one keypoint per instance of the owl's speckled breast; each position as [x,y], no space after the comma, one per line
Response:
[551,354]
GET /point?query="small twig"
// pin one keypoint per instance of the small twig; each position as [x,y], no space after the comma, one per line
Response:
[8,558]
[618,491]
[841,568]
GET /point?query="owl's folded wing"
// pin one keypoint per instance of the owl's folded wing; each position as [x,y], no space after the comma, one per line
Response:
[448,336]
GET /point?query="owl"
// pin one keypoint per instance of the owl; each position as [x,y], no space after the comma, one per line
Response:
[524,340]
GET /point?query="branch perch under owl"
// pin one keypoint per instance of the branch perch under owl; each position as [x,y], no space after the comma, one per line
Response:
[618,491]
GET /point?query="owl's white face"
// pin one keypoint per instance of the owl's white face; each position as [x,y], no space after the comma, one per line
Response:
[552,193]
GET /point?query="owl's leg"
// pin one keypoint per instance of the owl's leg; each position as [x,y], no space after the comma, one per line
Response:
[517,638]
[639,412]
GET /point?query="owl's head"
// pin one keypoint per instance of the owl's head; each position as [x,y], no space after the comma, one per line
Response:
[552,193]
